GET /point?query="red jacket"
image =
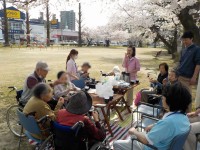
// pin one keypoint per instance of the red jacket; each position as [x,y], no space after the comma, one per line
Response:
[93,131]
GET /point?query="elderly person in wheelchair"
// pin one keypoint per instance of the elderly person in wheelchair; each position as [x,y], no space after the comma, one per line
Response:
[78,106]
[65,87]
[38,107]
[176,100]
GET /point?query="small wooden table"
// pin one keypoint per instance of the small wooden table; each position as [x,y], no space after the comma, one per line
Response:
[99,102]
[123,90]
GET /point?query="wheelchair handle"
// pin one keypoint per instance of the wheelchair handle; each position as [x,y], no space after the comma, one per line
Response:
[77,125]
[12,88]
[43,119]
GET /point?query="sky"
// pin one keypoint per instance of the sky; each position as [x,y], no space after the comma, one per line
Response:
[94,13]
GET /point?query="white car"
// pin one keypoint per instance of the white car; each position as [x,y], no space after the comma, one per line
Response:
[114,44]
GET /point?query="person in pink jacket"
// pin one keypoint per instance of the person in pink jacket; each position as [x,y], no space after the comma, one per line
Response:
[131,63]
[132,66]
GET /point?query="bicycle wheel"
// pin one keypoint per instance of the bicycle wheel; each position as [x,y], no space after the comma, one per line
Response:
[13,121]
[48,144]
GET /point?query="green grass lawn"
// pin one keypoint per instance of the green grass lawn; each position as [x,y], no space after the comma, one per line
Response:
[16,64]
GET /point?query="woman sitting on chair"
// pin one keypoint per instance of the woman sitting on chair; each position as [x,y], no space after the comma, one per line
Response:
[155,84]
[65,87]
[176,100]
[38,107]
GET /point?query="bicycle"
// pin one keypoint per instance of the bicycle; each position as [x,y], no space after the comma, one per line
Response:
[11,114]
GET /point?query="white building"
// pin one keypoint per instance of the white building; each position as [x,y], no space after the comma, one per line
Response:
[59,35]
[38,32]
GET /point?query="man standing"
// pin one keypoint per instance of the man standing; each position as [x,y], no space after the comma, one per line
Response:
[189,66]
[33,79]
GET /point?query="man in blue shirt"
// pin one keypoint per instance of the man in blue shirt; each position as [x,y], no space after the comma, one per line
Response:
[189,66]
[176,100]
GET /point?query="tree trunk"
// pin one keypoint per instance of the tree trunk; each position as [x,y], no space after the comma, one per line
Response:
[27,27]
[5,25]
[171,46]
[167,44]
[79,26]
[48,24]
[155,42]
[189,23]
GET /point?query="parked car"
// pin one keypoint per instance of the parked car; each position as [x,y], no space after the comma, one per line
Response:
[125,44]
[114,44]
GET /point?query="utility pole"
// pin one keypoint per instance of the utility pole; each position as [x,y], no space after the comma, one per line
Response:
[48,23]
[5,25]
[28,31]
[79,26]
[25,4]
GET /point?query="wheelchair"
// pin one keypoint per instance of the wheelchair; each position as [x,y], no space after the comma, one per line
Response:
[148,113]
[33,126]
[73,138]
[11,114]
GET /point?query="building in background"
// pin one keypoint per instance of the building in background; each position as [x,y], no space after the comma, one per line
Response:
[38,31]
[16,25]
[53,16]
[63,36]
[67,20]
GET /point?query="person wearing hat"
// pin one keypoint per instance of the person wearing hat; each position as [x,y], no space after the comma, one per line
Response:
[38,107]
[83,73]
[189,66]
[38,76]
[78,105]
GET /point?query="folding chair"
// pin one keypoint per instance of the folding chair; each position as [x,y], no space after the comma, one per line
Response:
[176,144]
[79,83]
[32,127]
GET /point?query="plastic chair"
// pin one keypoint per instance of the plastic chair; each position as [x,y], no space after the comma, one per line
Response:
[176,144]
[79,83]
[31,126]
[67,137]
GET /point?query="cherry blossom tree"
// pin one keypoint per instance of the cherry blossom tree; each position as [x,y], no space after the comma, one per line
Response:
[160,19]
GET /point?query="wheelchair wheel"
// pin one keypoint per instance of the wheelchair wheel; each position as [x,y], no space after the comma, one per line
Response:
[13,121]
[48,144]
